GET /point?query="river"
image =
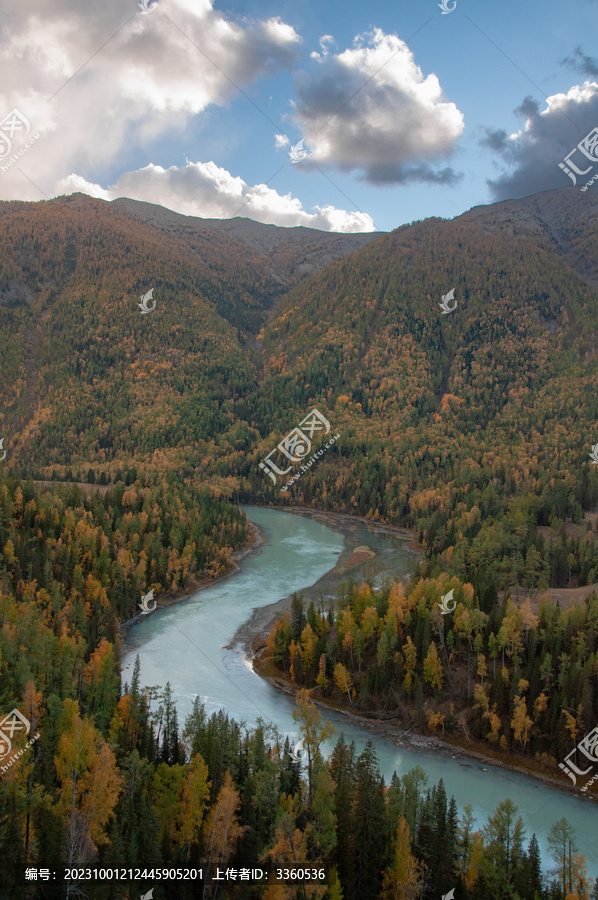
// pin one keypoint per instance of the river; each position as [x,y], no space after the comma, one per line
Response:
[186,644]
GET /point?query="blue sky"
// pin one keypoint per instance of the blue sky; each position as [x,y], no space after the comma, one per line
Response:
[182,105]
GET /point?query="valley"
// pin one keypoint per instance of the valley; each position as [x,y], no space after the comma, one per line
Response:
[463,467]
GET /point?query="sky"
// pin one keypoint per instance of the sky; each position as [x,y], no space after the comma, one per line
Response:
[343,117]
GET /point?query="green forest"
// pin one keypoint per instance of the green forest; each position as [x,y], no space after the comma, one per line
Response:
[518,682]
[473,429]
[115,782]
[132,439]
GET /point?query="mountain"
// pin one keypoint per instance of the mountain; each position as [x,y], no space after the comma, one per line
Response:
[473,427]
[458,425]
[84,367]
[566,219]
[287,254]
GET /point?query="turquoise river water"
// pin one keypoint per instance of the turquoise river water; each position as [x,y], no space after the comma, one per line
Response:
[185,644]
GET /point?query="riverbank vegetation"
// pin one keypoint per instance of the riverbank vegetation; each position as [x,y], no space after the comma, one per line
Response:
[72,568]
[519,682]
[114,781]
[466,428]
[133,790]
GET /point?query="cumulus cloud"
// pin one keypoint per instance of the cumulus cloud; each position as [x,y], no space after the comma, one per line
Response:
[181,57]
[370,110]
[99,79]
[533,154]
[205,189]
[102,82]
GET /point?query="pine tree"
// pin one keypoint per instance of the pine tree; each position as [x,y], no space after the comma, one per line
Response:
[395,808]
[414,781]
[503,840]
[342,766]
[298,617]
[368,827]
[290,771]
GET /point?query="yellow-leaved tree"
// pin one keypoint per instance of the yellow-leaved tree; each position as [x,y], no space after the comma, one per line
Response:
[194,795]
[433,667]
[89,785]
[222,830]
[521,722]
[403,880]
[342,679]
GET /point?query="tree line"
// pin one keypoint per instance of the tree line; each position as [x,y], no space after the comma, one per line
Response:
[520,682]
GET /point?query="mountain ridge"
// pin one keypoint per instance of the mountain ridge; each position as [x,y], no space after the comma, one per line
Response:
[432,408]
[271,241]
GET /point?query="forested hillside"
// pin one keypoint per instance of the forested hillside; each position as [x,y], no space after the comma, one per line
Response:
[90,381]
[115,783]
[473,428]
[454,424]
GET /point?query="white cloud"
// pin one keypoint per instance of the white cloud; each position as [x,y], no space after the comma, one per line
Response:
[207,190]
[103,82]
[324,41]
[76,184]
[392,128]
[98,79]
[533,154]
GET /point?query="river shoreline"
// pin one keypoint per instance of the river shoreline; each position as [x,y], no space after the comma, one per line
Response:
[253,634]
[255,539]
[350,564]
[415,741]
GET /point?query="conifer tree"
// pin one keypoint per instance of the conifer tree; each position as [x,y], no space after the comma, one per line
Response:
[342,770]
[368,827]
